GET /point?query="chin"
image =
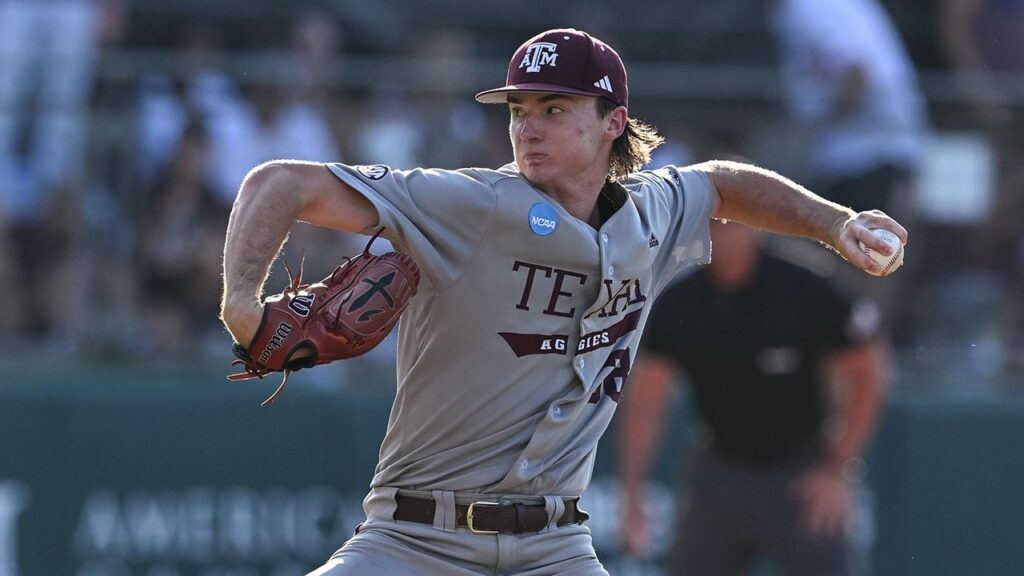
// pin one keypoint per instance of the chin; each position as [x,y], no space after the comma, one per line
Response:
[533,174]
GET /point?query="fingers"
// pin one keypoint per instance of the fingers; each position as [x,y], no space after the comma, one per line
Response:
[823,518]
[857,234]
[878,219]
[635,544]
[634,536]
[824,505]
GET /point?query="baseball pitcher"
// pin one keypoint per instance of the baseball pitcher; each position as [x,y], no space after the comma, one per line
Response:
[534,284]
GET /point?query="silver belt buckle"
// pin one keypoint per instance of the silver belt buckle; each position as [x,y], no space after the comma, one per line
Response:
[469,516]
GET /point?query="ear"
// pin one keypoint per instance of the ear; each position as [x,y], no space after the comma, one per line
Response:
[615,122]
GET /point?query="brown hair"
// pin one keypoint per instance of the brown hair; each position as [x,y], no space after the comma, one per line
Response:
[632,150]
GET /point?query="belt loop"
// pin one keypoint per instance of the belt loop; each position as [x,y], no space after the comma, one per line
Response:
[381,503]
[444,510]
[520,518]
[555,507]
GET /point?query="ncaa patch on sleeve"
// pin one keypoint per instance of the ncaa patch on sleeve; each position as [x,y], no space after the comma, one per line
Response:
[374,172]
[543,218]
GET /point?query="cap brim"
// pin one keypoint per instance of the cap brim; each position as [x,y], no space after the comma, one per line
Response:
[500,95]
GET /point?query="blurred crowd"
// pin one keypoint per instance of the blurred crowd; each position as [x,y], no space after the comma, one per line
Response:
[126,260]
[112,218]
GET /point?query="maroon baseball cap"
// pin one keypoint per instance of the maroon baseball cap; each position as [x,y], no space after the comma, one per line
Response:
[564,61]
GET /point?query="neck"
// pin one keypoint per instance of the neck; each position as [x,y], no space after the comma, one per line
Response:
[580,198]
[582,207]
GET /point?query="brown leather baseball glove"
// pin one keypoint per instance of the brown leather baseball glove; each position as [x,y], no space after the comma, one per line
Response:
[343,316]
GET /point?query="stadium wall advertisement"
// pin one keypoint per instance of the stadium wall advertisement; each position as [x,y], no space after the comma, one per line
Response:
[161,482]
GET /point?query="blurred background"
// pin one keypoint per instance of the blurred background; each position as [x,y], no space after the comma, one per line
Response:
[126,127]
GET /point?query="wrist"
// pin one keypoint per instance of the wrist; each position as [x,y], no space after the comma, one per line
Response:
[242,318]
[851,469]
[835,231]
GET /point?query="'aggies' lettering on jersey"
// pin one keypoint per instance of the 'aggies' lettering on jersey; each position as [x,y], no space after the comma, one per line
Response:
[609,336]
[529,344]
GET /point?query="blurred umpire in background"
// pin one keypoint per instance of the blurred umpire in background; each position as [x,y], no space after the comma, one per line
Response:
[787,375]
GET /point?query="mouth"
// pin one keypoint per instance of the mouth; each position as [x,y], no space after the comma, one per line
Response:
[534,157]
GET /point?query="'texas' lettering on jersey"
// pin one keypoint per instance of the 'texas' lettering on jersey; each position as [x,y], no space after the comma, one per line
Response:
[561,283]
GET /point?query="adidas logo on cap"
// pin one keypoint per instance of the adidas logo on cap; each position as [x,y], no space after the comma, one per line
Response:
[604,84]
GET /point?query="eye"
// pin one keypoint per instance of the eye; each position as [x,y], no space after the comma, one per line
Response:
[517,112]
[554,110]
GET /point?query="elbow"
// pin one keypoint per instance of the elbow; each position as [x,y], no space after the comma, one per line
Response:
[263,177]
[278,183]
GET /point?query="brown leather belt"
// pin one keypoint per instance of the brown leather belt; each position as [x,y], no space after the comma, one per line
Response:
[489,517]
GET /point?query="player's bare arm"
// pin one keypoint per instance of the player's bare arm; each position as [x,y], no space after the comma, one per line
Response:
[766,200]
[271,198]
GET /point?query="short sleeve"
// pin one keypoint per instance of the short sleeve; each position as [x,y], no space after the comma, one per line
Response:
[439,217]
[683,199]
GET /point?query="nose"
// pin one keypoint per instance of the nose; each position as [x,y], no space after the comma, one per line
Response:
[529,129]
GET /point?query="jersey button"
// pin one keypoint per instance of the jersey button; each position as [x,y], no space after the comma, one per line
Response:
[580,362]
[611,271]
[604,237]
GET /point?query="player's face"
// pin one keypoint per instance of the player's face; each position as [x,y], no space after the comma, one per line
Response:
[559,141]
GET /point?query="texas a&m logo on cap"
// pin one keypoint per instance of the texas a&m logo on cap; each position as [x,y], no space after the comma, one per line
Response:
[539,54]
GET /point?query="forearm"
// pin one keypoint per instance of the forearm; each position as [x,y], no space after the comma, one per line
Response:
[642,422]
[865,375]
[260,219]
[272,197]
[764,199]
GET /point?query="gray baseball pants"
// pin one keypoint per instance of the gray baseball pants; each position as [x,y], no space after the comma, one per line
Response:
[385,547]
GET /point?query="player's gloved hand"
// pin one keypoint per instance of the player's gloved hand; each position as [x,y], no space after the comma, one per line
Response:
[344,315]
[847,234]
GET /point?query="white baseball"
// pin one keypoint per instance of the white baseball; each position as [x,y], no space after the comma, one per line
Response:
[888,263]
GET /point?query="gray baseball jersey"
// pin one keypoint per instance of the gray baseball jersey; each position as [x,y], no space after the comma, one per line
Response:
[512,355]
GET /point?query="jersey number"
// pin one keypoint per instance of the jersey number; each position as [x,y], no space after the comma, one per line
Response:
[618,361]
